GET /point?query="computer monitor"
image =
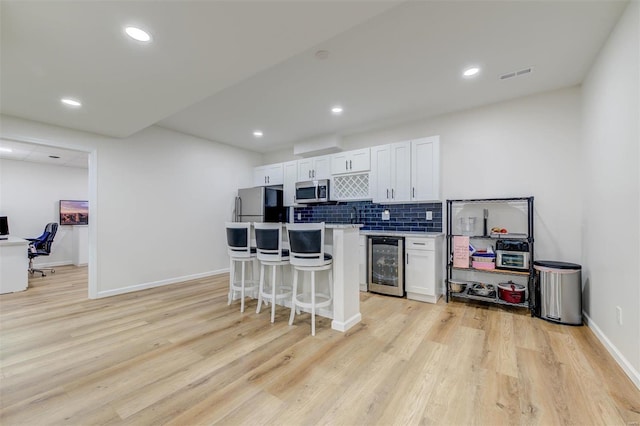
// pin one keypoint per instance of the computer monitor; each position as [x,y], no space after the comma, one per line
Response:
[4,225]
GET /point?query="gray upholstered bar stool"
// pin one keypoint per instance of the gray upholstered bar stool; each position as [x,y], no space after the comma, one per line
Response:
[240,251]
[306,241]
[271,253]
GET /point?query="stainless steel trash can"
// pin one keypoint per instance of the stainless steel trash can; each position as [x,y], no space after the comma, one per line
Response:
[560,286]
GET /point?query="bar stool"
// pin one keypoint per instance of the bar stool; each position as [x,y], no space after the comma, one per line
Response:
[240,250]
[271,253]
[306,241]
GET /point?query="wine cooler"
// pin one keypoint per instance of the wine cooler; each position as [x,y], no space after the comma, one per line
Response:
[386,265]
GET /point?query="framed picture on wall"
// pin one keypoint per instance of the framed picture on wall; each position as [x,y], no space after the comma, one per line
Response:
[74,212]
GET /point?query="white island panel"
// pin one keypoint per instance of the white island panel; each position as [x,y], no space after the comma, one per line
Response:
[346,286]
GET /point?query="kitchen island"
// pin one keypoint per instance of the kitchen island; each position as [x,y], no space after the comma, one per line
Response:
[341,242]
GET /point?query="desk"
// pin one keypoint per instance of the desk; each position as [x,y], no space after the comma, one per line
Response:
[14,265]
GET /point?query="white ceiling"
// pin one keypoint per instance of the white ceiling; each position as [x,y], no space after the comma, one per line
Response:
[43,154]
[219,70]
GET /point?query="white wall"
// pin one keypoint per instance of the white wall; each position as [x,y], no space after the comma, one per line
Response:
[611,184]
[29,196]
[160,202]
[528,146]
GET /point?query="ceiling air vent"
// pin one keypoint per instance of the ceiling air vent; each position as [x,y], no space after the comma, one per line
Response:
[516,73]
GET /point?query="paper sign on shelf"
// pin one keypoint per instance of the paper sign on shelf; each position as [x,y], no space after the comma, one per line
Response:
[460,252]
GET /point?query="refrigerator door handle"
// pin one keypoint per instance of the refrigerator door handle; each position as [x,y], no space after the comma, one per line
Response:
[234,216]
[235,209]
[239,208]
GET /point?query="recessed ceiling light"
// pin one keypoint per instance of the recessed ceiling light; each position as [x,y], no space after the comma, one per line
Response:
[470,72]
[257,133]
[322,54]
[2,149]
[337,110]
[71,102]
[137,34]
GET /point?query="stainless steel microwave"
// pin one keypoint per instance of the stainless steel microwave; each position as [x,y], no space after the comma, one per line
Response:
[313,191]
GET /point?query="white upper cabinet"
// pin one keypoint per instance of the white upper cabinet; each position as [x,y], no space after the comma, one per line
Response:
[351,161]
[401,172]
[268,175]
[380,173]
[425,169]
[289,185]
[391,173]
[406,171]
[314,168]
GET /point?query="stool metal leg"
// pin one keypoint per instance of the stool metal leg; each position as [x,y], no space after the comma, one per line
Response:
[242,290]
[273,294]
[260,288]
[231,278]
[313,303]
[295,293]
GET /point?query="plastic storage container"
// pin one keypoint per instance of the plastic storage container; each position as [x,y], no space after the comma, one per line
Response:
[560,286]
[483,260]
[467,225]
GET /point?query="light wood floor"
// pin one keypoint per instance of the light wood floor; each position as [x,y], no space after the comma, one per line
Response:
[179,355]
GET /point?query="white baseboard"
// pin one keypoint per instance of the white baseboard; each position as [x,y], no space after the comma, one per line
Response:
[52,264]
[422,297]
[344,326]
[629,370]
[144,286]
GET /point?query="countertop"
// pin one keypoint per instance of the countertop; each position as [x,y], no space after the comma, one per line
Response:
[390,233]
[338,225]
[403,233]
[343,225]
[14,241]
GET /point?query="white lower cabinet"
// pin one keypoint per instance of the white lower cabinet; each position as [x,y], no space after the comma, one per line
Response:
[423,268]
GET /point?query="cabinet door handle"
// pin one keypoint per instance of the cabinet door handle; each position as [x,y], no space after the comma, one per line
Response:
[407,258]
[392,196]
[387,193]
[350,165]
[309,174]
[313,173]
[419,244]
[414,192]
[265,179]
[268,179]
[346,165]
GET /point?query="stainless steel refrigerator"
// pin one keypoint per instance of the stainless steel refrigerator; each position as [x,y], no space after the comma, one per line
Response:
[260,204]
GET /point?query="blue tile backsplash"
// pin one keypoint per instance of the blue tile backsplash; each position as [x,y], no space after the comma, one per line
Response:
[402,217]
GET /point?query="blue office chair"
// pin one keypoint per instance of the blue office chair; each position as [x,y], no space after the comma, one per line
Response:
[41,246]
